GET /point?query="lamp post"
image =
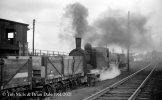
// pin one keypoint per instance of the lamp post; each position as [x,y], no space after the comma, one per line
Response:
[33,34]
[128,43]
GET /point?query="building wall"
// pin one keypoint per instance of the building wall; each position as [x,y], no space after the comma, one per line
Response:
[16,45]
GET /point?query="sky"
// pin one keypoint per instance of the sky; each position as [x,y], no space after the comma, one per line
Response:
[50,21]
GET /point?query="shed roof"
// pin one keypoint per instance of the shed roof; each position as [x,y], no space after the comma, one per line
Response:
[1,19]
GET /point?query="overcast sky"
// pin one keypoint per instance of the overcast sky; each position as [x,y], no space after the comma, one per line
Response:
[49,17]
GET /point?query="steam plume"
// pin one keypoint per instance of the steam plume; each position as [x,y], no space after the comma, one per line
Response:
[110,73]
[107,73]
[78,15]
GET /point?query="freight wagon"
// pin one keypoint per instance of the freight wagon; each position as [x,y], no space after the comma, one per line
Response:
[53,73]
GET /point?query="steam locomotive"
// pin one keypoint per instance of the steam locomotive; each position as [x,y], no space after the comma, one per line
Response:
[55,73]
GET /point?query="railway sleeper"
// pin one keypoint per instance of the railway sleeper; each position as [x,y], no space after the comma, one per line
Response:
[144,95]
[122,91]
[126,88]
[129,85]
[117,94]
[112,98]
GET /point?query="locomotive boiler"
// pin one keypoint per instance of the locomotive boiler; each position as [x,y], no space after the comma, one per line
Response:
[94,57]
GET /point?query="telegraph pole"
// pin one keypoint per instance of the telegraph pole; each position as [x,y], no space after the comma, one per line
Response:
[33,34]
[128,44]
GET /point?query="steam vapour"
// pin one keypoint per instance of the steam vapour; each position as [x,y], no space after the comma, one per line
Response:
[110,73]
[78,15]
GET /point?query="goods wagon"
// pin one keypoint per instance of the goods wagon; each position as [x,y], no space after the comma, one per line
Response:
[16,72]
[39,72]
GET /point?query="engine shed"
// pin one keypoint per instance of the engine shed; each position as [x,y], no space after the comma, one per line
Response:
[13,38]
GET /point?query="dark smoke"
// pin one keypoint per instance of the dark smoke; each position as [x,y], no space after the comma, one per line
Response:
[78,15]
[112,28]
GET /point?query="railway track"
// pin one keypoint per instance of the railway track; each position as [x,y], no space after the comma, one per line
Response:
[153,88]
[127,88]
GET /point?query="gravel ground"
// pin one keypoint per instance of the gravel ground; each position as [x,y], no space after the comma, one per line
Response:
[81,93]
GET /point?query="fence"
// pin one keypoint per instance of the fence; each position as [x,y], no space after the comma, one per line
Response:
[38,52]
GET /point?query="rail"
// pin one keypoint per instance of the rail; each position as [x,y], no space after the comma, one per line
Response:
[96,95]
[133,96]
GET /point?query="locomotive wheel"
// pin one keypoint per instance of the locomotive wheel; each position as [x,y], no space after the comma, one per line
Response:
[59,88]
[4,92]
[48,89]
[72,84]
[76,82]
[66,86]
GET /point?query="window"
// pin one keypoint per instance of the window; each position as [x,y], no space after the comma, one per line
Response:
[10,35]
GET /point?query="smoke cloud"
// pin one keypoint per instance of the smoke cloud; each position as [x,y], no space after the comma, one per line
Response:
[78,15]
[112,28]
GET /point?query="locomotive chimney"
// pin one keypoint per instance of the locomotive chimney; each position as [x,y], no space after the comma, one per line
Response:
[78,42]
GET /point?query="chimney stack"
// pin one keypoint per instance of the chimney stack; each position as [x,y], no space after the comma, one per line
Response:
[78,42]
